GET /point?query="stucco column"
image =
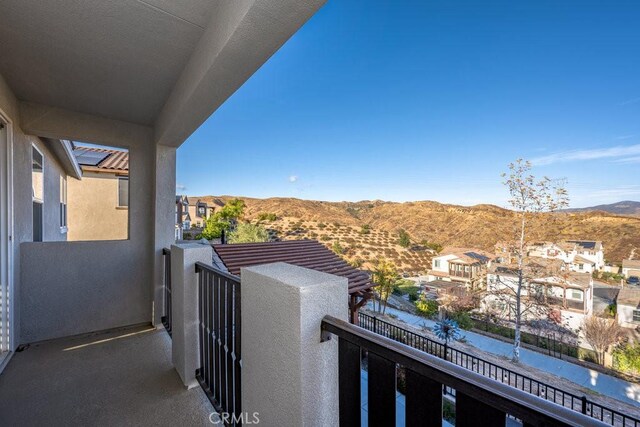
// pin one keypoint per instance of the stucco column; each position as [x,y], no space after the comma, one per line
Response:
[184,300]
[164,220]
[289,377]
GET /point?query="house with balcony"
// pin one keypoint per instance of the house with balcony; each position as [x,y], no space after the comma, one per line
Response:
[465,266]
[582,256]
[562,296]
[183,220]
[82,340]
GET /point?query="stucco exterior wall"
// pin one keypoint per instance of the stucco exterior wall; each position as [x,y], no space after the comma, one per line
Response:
[77,287]
[625,316]
[93,208]
[22,195]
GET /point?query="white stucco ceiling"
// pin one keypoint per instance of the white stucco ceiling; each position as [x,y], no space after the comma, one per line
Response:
[116,59]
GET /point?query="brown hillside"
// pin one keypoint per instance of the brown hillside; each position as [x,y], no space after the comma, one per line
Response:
[479,226]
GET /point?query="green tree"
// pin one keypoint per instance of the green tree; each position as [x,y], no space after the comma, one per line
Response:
[231,212]
[248,233]
[403,239]
[385,275]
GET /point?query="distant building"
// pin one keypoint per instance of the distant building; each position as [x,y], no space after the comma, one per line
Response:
[99,202]
[467,266]
[628,307]
[199,212]
[565,297]
[631,267]
[581,256]
[183,221]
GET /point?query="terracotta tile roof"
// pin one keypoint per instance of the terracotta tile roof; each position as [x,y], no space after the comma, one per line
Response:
[115,160]
[303,253]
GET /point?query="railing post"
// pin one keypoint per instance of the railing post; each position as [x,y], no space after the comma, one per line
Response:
[375,324]
[290,377]
[184,308]
[584,404]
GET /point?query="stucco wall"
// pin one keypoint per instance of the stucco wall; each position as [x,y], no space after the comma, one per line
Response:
[93,208]
[22,195]
[76,287]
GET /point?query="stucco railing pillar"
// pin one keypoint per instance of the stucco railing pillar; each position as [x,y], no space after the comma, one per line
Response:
[184,308]
[289,377]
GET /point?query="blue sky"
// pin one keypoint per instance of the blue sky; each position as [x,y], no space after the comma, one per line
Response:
[431,100]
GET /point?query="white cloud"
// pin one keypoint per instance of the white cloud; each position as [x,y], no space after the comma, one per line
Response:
[293,178]
[630,101]
[628,160]
[620,153]
[180,187]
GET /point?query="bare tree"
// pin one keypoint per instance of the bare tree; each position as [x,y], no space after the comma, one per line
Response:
[601,333]
[532,200]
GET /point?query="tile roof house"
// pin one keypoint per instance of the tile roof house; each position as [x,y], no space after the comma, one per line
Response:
[99,201]
[304,253]
[466,266]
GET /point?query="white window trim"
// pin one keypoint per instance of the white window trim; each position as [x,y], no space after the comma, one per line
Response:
[118,205]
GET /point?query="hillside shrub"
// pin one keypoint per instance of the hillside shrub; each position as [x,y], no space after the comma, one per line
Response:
[427,307]
[267,216]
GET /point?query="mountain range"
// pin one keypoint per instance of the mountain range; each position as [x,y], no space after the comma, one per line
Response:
[480,226]
[626,207]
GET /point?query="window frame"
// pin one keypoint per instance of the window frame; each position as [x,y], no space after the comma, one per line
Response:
[635,316]
[63,211]
[118,204]
[35,200]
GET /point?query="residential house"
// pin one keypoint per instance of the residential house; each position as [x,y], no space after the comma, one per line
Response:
[628,307]
[145,75]
[183,220]
[199,212]
[304,253]
[466,266]
[99,201]
[563,296]
[583,256]
[631,267]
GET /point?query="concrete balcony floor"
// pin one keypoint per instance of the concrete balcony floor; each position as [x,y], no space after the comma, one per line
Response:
[120,377]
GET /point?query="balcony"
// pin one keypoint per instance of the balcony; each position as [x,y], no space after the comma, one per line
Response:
[110,378]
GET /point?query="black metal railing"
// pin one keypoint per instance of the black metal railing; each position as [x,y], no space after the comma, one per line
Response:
[166,319]
[498,373]
[220,355]
[479,400]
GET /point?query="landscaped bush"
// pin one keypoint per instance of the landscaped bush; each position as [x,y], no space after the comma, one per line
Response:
[427,307]
[463,319]
[626,358]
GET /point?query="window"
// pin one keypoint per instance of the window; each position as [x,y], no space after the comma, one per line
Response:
[63,202]
[436,263]
[576,294]
[580,266]
[37,181]
[466,268]
[123,192]
[636,315]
